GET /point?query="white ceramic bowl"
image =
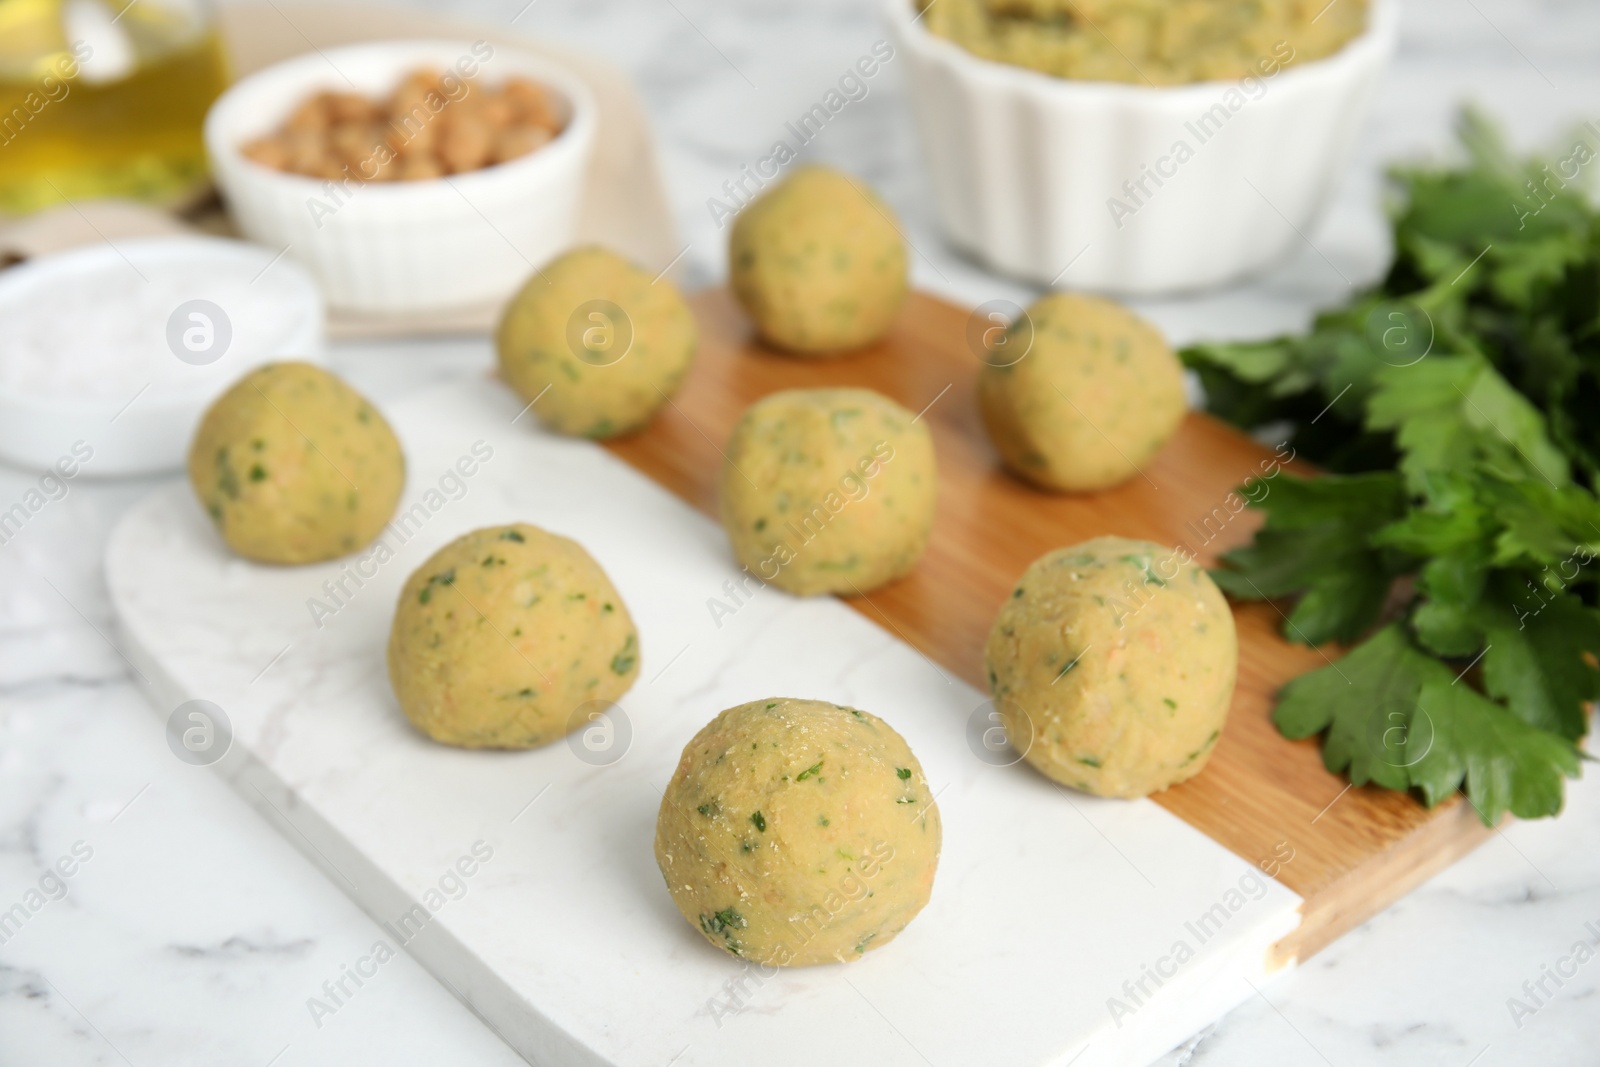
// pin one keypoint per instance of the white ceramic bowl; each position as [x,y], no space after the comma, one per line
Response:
[137,417]
[1028,169]
[405,246]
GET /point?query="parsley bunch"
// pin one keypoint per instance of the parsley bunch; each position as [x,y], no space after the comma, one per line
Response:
[1453,543]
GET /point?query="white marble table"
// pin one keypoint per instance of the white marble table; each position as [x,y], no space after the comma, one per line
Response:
[193,933]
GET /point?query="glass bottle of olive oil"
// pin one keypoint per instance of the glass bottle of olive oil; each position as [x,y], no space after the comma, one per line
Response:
[104,98]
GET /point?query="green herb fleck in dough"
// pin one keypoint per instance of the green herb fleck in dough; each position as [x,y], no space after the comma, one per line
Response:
[1089,761]
[512,535]
[903,772]
[258,473]
[227,481]
[1069,667]
[809,771]
[1169,702]
[760,821]
[722,921]
[624,660]
[1191,757]
[822,820]
[425,595]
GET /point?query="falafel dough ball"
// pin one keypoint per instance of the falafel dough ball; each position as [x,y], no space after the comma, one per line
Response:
[1091,403]
[828,490]
[1113,663]
[504,634]
[606,373]
[294,466]
[796,832]
[818,263]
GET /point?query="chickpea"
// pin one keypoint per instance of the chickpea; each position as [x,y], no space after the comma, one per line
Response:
[305,149]
[310,117]
[466,145]
[350,108]
[268,151]
[431,125]
[419,168]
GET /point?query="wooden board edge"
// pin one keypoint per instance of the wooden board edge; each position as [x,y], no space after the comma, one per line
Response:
[1453,831]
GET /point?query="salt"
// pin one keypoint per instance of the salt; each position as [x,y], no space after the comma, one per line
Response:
[92,326]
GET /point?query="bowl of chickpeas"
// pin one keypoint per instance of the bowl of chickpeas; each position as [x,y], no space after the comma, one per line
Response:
[407,176]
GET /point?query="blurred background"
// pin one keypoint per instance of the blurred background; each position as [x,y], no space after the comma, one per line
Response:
[719,81]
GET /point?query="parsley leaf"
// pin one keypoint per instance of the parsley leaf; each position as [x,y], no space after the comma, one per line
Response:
[1505,764]
[1316,543]
[1536,657]
[1396,717]
[1363,702]
[1453,413]
[1458,528]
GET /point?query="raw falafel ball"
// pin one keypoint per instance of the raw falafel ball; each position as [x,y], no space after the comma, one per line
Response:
[505,635]
[595,344]
[1091,402]
[828,490]
[818,263]
[294,466]
[1112,664]
[796,832]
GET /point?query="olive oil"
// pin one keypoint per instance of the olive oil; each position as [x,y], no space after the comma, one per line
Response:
[103,99]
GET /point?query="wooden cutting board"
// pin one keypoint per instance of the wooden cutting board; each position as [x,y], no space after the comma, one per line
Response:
[1354,851]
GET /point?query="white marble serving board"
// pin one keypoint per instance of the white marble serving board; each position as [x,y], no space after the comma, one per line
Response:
[1047,903]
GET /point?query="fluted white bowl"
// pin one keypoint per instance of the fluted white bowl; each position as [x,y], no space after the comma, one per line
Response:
[1040,177]
[405,246]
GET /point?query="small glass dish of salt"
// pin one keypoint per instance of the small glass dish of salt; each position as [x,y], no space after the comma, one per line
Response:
[113,352]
